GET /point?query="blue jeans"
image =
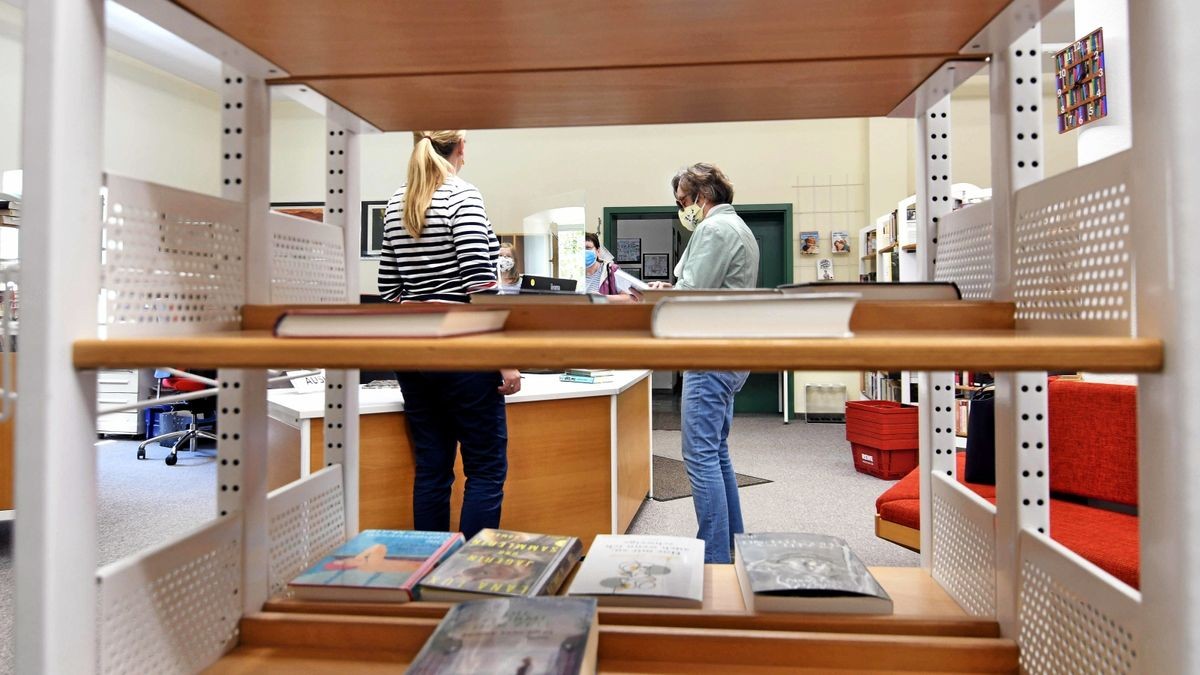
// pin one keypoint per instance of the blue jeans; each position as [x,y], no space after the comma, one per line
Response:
[445,411]
[707,415]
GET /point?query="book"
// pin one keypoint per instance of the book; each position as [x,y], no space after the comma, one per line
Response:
[530,636]
[375,566]
[797,572]
[653,296]
[825,269]
[548,298]
[503,562]
[642,571]
[754,316]
[425,319]
[839,242]
[585,378]
[810,242]
[589,372]
[900,290]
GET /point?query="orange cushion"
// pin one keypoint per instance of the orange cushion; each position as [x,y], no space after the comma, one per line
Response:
[1107,539]
[1093,440]
[906,512]
[183,384]
[909,487]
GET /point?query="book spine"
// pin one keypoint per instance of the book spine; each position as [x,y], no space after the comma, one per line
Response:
[582,379]
[451,545]
[562,566]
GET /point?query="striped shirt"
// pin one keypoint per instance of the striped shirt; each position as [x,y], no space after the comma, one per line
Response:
[455,255]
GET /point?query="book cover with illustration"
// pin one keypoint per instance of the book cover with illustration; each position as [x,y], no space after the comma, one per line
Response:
[375,566]
[797,572]
[839,242]
[529,636]
[810,242]
[642,570]
[503,562]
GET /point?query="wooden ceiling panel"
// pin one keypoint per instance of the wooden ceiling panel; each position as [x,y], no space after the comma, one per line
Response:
[320,38]
[660,95]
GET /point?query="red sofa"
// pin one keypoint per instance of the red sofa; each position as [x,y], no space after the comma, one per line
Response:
[1093,460]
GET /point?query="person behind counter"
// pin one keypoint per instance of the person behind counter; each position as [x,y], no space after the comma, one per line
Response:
[602,276]
[721,253]
[438,246]
[506,270]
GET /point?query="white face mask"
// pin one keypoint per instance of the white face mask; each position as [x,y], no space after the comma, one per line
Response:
[691,216]
[505,263]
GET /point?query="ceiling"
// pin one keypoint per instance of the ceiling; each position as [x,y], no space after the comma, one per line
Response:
[525,63]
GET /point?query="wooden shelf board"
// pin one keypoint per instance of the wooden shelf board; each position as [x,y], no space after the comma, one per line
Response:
[276,641]
[908,247]
[888,249]
[324,38]
[914,350]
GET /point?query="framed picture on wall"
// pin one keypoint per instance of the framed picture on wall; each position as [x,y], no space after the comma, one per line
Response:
[306,210]
[371,235]
[632,270]
[629,249]
[810,242]
[840,242]
[656,266]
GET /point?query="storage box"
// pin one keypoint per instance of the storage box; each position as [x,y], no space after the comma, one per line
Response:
[881,463]
[882,424]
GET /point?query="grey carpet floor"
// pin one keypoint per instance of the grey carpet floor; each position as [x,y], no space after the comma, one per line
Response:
[814,488]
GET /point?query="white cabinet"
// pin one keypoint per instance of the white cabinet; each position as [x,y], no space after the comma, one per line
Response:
[117,387]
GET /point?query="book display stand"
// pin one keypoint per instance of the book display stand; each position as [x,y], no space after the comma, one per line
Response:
[1052,276]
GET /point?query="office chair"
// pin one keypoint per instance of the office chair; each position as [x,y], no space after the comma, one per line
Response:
[198,427]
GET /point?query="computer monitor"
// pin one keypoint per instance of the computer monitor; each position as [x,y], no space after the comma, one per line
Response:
[534,284]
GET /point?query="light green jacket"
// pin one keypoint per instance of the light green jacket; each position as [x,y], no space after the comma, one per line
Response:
[722,253]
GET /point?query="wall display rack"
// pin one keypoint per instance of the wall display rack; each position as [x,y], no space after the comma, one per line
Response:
[200,600]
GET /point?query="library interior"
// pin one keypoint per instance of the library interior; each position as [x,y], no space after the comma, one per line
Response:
[832,337]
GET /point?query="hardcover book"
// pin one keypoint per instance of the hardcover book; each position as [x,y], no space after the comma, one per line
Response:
[642,571]
[390,320]
[769,315]
[529,636]
[585,379]
[795,572]
[503,562]
[375,566]
[900,290]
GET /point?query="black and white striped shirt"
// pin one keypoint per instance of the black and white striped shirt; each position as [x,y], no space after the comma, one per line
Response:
[455,255]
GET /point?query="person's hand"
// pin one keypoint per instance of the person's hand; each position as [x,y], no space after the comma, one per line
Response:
[660,284]
[512,381]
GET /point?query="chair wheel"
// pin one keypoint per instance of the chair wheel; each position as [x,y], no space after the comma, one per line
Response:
[171,459]
[141,454]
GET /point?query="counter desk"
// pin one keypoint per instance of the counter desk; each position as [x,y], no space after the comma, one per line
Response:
[578,454]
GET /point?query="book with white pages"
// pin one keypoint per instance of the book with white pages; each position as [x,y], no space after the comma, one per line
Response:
[642,571]
[768,315]
[390,321]
[876,292]
[652,296]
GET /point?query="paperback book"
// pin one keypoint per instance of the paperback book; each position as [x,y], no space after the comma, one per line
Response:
[390,320]
[585,379]
[769,315]
[376,566]
[530,636]
[796,572]
[503,562]
[642,571]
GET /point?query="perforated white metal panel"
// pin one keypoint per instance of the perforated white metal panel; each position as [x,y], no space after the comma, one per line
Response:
[173,261]
[964,546]
[308,261]
[1033,455]
[307,521]
[965,250]
[1075,618]
[173,609]
[933,190]
[1073,251]
[942,422]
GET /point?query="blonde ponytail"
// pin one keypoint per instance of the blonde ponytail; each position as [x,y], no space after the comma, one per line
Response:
[428,168]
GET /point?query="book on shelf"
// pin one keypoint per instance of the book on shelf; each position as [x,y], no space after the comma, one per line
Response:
[375,566]
[653,296]
[531,636]
[503,562]
[642,571]
[590,372]
[585,379]
[770,315]
[800,572]
[424,319]
[900,290]
[547,298]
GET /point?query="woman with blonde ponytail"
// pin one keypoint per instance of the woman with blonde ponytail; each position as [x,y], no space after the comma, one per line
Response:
[438,246]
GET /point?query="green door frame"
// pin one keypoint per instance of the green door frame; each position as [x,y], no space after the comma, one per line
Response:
[789,263]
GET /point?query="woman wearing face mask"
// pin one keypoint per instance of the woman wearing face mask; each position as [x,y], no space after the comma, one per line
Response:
[722,253]
[506,270]
[438,246]
[602,277]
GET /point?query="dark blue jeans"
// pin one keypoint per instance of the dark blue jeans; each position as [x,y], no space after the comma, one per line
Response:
[445,411]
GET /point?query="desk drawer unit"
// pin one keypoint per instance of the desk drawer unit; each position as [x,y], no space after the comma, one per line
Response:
[117,387]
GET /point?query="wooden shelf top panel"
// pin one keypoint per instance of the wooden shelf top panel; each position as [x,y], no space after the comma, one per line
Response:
[912,350]
[631,95]
[334,38]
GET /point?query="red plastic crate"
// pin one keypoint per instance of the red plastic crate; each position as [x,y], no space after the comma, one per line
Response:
[901,440]
[882,463]
[885,425]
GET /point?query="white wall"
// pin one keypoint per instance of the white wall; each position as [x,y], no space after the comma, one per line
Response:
[11,60]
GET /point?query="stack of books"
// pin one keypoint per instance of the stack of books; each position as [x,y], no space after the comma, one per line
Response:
[10,213]
[587,375]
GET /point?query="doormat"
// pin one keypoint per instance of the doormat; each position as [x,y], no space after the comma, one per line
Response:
[671,480]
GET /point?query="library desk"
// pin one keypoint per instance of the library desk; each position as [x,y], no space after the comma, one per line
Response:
[578,454]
